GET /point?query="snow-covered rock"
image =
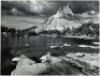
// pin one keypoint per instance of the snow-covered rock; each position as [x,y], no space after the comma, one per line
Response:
[60,65]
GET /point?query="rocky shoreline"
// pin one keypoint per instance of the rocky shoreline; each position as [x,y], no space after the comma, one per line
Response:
[52,65]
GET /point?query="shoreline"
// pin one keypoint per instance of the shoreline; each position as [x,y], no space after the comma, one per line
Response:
[70,36]
[80,37]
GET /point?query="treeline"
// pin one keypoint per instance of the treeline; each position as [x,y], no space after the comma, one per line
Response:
[88,29]
[16,33]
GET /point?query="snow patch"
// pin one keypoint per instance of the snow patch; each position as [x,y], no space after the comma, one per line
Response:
[66,44]
[85,46]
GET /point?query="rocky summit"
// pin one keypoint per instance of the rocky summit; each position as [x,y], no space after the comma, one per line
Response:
[64,18]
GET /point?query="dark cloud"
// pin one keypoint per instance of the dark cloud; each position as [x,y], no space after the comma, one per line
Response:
[83,6]
[46,8]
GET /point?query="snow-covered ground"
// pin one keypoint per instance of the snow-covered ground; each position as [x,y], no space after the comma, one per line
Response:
[91,58]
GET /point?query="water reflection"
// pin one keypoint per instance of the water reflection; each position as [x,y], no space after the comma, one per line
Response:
[36,46]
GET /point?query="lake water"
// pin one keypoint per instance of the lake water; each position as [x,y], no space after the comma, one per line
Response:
[39,45]
[36,46]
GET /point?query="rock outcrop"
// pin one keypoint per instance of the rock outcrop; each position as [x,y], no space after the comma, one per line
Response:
[65,19]
[61,65]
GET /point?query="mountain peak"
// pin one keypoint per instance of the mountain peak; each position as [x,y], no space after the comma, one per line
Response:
[63,12]
[67,10]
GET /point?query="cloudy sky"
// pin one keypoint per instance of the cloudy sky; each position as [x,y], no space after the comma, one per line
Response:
[47,8]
